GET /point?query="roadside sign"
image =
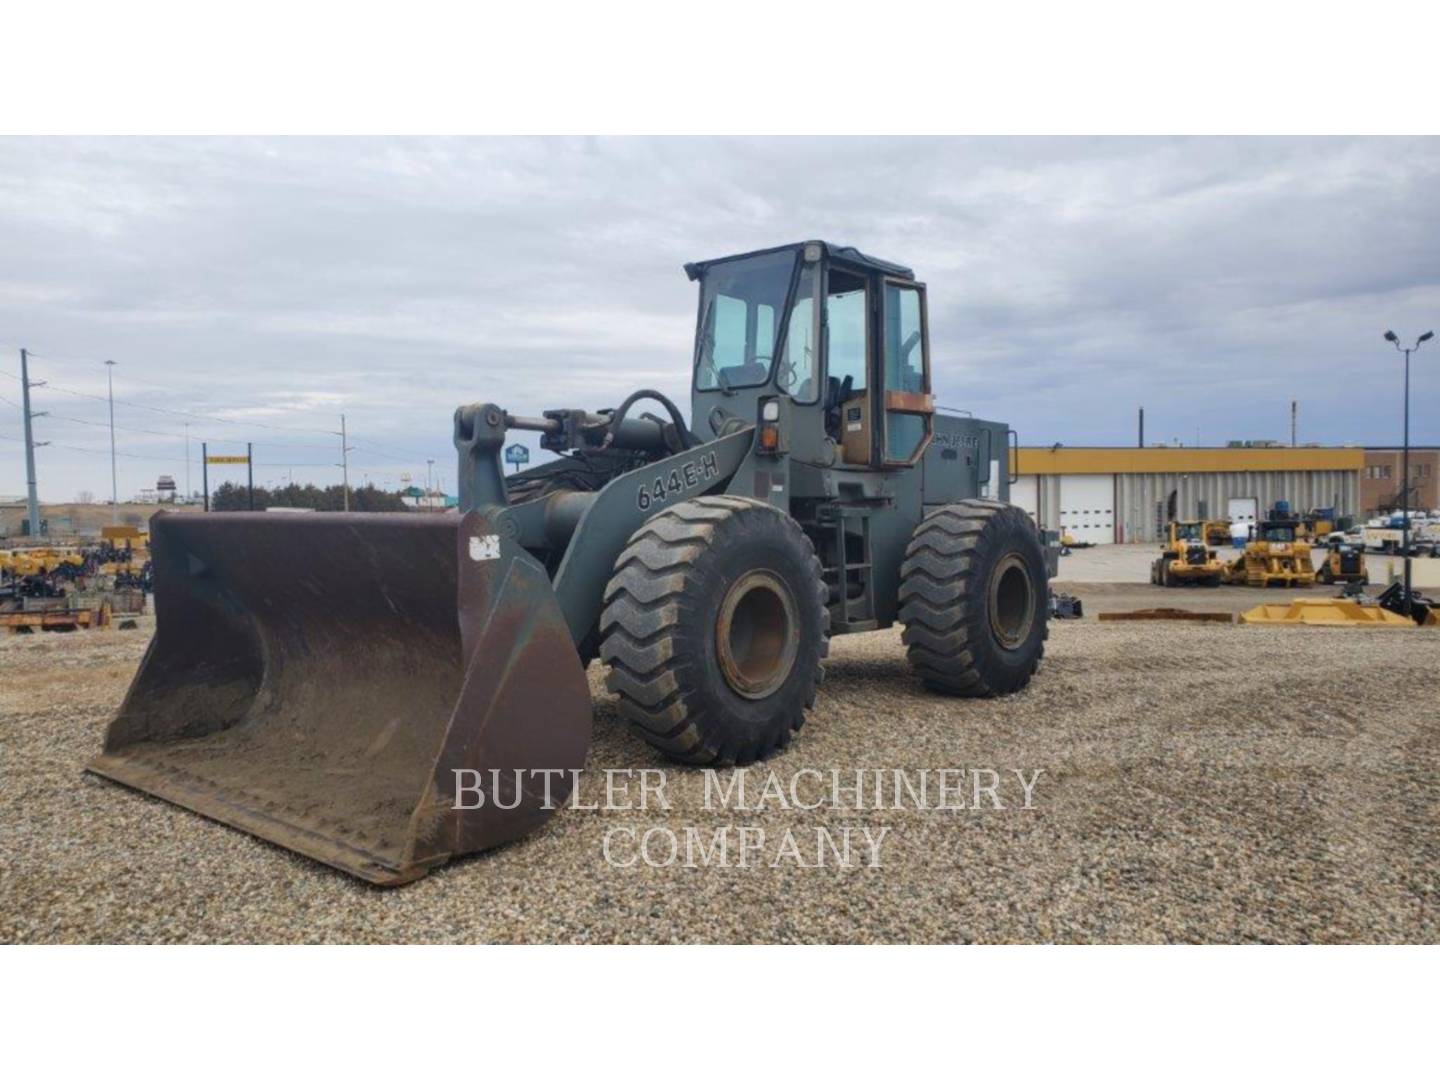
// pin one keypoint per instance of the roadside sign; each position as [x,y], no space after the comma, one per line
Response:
[227,459]
[515,454]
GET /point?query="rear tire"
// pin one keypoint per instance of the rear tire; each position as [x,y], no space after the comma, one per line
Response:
[714,628]
[973,599]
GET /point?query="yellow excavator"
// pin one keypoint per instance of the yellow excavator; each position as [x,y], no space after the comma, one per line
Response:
[1185,558]
[1274,556]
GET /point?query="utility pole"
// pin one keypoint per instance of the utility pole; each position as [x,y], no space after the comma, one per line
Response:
[345,462]
[114,481]
[1405,460]
[250,472]
[1294,408]
[32,500]
[1141,442]
[188,491]
[429,480]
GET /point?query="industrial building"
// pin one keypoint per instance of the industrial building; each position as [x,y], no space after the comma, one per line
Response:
[1116,495]
[1380,482]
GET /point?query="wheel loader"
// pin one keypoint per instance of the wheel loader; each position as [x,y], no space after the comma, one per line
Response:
[384,692]
[1185,559]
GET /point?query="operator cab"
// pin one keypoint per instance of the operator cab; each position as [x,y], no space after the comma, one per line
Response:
[1192,531]
[1277,532]
[842,335]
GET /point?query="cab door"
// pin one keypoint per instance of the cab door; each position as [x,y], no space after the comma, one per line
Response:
[905,397]
[849,367]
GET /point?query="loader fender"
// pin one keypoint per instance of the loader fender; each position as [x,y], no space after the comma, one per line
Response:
[626,503]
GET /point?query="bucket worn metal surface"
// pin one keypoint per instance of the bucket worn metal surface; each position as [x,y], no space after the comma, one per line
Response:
[317,679]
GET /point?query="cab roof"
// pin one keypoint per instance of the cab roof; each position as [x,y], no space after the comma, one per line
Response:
[835,252]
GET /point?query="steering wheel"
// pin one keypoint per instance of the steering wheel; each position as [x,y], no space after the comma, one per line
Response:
[785,377]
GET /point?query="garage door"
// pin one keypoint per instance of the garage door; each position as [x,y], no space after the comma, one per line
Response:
[1025,493]
[1243,510]
[1087,507]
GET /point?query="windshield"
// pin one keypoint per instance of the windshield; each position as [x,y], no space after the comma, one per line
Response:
[1277,534]
[740,306]
[1189,530]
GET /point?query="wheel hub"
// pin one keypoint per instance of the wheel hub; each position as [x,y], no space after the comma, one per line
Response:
[756,639]
[1011,602]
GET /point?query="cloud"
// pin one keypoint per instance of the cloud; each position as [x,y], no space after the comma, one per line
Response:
[280,282]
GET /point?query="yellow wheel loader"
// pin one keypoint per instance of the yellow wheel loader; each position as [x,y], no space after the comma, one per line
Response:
[1274,556]
[1185,558]
[383,692]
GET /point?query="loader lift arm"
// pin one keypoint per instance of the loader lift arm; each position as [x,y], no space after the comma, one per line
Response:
[586,529]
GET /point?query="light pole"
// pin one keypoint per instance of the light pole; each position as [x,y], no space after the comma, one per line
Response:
[1405,459]
[114,483]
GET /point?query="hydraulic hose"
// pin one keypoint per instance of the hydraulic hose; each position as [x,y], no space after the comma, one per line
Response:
[613,425]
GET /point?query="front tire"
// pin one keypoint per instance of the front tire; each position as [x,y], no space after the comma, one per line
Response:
[714,628]
[972,598]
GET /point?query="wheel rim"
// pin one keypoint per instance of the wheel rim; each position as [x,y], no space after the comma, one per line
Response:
[1012,606]
[755,635]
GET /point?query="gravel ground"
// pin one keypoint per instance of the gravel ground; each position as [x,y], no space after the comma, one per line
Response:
[1200,783]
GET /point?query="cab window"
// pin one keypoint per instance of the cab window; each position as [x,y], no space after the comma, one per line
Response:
[798,374]
[906,413]
[739,301]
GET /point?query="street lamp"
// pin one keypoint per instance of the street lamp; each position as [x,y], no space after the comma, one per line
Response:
[1405,458]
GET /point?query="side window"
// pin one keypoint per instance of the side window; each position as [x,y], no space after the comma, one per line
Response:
[845,324]
[729,350]
[849,417]
[764,333]
[907,405]
[798,369]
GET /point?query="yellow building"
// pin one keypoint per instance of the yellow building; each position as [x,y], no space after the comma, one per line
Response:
[1112,494]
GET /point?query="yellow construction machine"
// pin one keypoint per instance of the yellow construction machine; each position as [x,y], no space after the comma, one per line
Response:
[1275,555]
[1185,559]
[1343,563]
[1217,533]
[1330,612]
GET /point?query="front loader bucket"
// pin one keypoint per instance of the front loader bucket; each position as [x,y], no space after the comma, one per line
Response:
[316,679]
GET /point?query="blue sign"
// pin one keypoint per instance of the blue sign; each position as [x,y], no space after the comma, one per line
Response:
[515,454]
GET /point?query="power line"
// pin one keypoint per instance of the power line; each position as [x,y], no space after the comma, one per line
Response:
[92,450]
[77,362]
[405,454]
[193,415]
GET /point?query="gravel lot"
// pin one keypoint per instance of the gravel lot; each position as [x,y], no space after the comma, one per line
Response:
[1201,783]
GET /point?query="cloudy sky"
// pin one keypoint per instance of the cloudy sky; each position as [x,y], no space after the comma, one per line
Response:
[255,289]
